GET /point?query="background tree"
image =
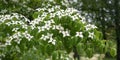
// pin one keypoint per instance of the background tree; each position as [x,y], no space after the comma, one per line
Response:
[100,12]
[117,22]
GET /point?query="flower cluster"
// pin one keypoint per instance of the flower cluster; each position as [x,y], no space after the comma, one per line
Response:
[47,26]
[45,21]
[52,28]
[14,19]
[57,11]
[17,24]
[17,37]
[62,28]
[11,17]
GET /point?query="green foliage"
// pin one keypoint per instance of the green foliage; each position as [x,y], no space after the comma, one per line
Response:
[113,52]
[48,32]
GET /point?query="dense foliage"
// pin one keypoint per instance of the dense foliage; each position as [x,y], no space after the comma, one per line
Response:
[52,34]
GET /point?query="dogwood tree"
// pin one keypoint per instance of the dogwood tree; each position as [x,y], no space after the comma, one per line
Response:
[52,34]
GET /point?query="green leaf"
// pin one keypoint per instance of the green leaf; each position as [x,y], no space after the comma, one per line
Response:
[49,49]
[1,38]
[89,52]
[54,55]
[80,48]
[35,15]
[113,52]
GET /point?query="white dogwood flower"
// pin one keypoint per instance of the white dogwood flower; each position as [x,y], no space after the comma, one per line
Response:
[60,28]
[8,23]
[47,27]
[52,41]
[44,37]
[25,26]
[91,35]
[15,29]
[8,42]
[65,33]
[48,37]
[79,34]
[40,29]
[89,27]
[50,10]
[53,27]
[27,35]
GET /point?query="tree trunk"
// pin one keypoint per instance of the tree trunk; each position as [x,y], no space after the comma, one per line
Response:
[76,55]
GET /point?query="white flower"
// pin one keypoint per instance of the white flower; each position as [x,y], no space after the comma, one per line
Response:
[25,26]
[8,42]
[57,7]
[60,28]
[27,36]
[50,10]
[14,22]
[36,21]
[52,21]
[91,35]
[18,34]
[44,14]
[15,37]
[10,38]
[52,15]
[74,17]
[83,20]
[43,37]
[79,34]
[20,22]
[58,13]
[18,40]
[48,36]
[41,28]
[32,27]
[52,41]
[8,23]
[47,27]
[53,27]
[65,33]
[15,29]
[93,26]
[47,22]
[51,0]
[39,9]
[89,27]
